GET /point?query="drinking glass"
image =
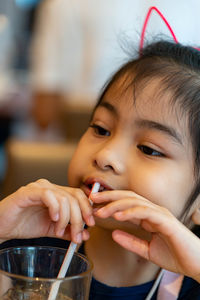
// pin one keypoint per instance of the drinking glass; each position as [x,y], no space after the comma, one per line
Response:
[28,273]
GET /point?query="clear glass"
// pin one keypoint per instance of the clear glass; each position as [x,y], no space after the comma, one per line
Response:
[28,273]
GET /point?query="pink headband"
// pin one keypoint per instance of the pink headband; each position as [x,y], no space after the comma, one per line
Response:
[146,22]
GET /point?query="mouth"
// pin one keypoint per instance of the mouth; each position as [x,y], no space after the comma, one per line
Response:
[88,184]
[101,189]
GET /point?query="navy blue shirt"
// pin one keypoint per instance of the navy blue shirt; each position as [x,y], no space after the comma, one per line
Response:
[190,290]
[99,291]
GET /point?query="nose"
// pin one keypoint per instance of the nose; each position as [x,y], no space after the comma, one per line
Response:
[112,156]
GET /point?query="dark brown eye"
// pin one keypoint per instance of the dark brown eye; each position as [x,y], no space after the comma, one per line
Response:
[149,151]
[100,130]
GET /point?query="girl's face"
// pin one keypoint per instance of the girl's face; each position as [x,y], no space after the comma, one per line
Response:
[143,147]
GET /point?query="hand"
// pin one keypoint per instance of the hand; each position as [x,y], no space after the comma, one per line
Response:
[172,246]
[45,209]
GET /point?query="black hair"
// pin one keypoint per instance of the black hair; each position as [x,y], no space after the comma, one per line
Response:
[178,68]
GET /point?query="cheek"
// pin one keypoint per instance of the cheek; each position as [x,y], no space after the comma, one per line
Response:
[164,192]
[164,188]
[78,164]
[72,171]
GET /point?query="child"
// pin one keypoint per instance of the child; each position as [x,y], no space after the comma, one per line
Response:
[142,146]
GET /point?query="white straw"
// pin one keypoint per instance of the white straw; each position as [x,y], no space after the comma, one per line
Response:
[68,257]
[155,285]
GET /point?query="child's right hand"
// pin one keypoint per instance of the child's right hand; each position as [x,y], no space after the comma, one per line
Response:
[45,209]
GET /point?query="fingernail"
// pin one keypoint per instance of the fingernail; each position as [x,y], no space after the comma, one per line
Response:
[91,220]
[118,214]
[99,211]
[56,217]
[94,195]
[79,238]
[61,232]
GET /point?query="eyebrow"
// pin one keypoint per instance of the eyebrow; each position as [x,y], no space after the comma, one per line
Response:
[170,131]
[108,106]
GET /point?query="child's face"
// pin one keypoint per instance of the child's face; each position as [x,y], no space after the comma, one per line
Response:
[143,147]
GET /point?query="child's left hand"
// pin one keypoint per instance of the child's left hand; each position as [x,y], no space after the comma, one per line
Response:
[172,246]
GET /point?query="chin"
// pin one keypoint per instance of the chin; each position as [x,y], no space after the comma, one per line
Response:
[111,225]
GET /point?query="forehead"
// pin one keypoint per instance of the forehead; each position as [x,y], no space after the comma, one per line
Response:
[148,100]
[145,97]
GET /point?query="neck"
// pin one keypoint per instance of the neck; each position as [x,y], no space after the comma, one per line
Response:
[114,265]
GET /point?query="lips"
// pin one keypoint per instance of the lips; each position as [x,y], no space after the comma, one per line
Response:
[88,184]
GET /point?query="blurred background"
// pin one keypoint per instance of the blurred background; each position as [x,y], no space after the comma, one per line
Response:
[55,56]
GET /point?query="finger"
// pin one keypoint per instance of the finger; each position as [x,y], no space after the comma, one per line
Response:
[152,220]
[77,197]
[50,200]
[108,196]
[43,183]
[64,216]
[67,234]
[121,205]
[132,220]
[85,235]
[85,206]
[196,217]
[113,207]
[131,243]
[76,221]
[31,195]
